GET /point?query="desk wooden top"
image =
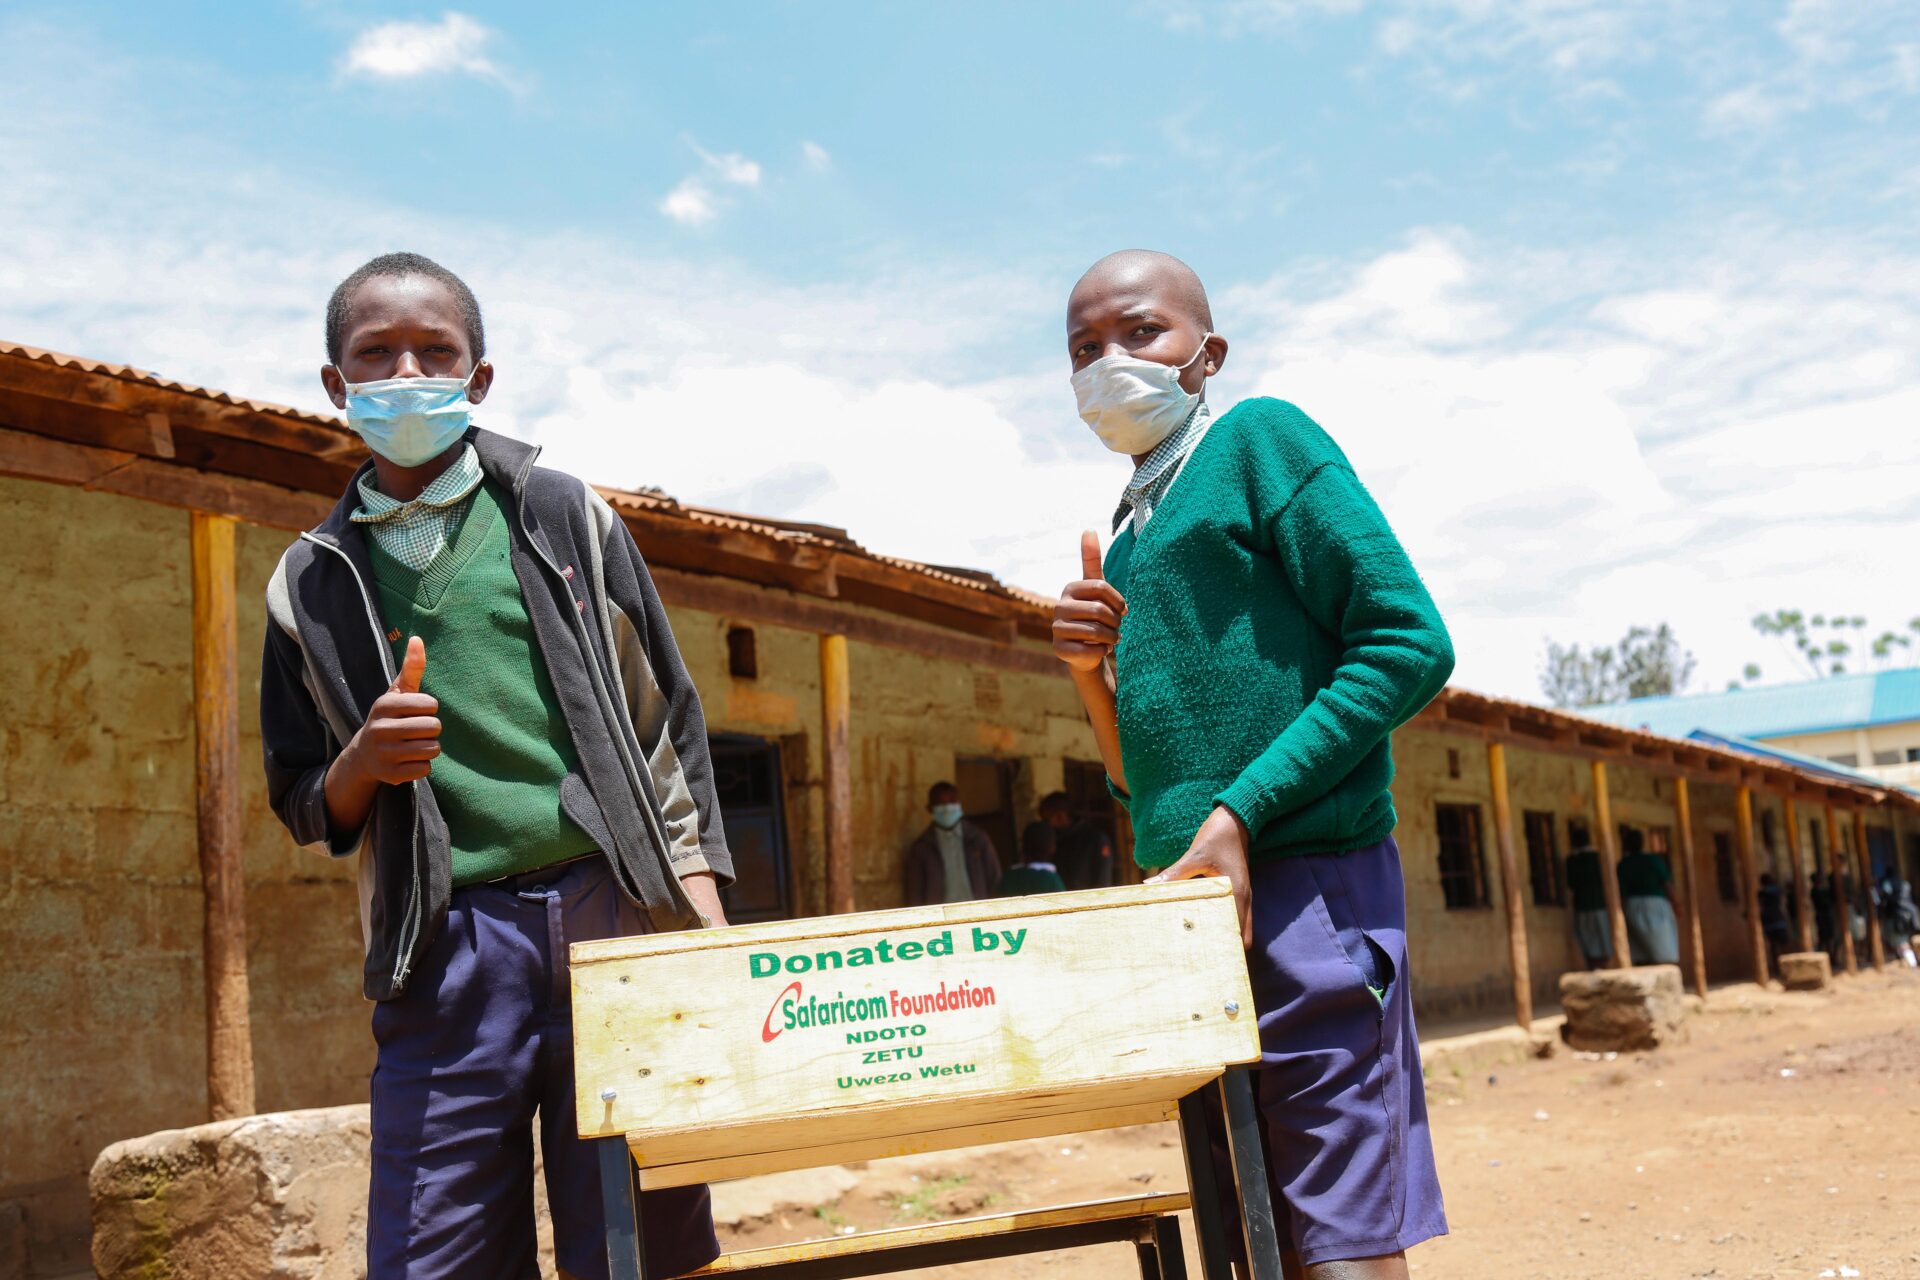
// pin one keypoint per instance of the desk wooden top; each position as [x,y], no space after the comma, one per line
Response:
[844,1029]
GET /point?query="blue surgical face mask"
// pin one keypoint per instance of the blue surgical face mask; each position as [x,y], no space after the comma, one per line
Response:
[409,421]
[947,815]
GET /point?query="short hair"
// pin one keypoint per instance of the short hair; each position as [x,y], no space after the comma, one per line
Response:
[1038,843]
[938,787]
[1055,800]
[1631,840]
[394,266]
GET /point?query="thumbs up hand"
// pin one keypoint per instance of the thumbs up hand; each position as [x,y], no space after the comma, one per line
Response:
[1086,619]
[402,734]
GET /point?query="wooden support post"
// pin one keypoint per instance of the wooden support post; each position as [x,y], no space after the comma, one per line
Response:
[1750,880]
[1689,880]
[1610,867]
[836,705]
[1802,878]
[1842,900]
[1863,860]
[1510,885]
[216,737]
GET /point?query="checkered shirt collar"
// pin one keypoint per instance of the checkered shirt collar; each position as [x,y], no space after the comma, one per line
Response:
[449,487]
[1152,478]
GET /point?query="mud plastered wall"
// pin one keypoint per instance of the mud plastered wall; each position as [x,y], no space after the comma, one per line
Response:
[99,875]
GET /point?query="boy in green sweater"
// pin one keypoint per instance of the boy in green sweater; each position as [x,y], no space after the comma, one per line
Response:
[1253,638]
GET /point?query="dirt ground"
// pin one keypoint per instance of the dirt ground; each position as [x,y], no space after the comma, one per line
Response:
[1783,1140]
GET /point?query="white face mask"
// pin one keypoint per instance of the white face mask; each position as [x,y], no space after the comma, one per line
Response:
[1134,404]
[946,815]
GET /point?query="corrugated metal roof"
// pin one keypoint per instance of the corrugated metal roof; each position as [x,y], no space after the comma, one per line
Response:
[127,373]
[1771,711]
[791,533]
[1798,759]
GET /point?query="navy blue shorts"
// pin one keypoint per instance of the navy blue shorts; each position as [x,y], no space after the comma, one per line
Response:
[1339,1089]
[481,1043]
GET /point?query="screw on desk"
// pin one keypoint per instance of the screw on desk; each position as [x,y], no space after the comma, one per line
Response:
[608,1095]
[1233,1008]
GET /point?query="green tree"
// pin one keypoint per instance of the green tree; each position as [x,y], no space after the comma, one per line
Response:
[1825,645]
[1647,662]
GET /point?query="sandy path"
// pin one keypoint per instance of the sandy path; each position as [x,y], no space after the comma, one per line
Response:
[1703,1160]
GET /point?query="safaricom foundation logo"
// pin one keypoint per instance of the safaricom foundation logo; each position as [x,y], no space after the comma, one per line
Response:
[793,1009]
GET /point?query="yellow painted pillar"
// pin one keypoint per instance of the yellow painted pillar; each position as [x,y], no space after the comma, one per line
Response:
[1510,887]
[1610,868]
[1802,877]
[217,799]
[1864,861]
[1689,881]
[836,706]
[1750,879]
[1842,900]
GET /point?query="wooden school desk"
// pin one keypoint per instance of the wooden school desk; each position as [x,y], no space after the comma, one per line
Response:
[724,1053]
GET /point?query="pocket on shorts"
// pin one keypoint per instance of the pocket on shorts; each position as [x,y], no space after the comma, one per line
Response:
[1373,963]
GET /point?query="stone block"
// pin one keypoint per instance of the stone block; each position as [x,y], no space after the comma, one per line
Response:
[1806,971]
[1623,1010]
[270,1197]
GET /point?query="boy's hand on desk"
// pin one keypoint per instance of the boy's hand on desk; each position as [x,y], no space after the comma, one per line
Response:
[1086,618]
[704,892]
[1219,849]
[401,737]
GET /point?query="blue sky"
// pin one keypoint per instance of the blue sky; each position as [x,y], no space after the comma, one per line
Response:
[1616,305]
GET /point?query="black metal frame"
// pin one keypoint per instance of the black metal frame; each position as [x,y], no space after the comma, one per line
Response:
[1156,1237]
[1237,1115]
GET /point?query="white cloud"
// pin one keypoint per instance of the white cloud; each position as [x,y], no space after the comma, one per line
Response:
[694,202]
[1724,431]
[691,204]
[408,50]
[1569,442]
[731,168]
[1861,54]
[816,156]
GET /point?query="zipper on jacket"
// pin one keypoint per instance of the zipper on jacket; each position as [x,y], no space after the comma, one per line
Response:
[410,925]
[656,825]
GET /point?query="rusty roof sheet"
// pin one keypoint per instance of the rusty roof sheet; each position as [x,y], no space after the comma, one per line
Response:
[1453,696]
[127,373]
[791,533]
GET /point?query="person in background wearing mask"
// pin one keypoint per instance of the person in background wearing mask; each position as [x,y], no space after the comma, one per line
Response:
[469,679]
[952,860]
[1243,697]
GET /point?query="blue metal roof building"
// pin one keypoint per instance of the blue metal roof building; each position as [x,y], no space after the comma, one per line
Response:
[1773,711]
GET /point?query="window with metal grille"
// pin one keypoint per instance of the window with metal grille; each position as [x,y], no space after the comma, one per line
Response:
[1543,860]
[1723,867]
[1463,869]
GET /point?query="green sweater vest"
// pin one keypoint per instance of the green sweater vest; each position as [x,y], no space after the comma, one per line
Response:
[504,745]
[1275,635]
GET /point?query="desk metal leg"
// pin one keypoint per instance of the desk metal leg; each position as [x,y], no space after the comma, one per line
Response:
[1208,1224]
[1250,1172]
[1166,1242]
[621,1205]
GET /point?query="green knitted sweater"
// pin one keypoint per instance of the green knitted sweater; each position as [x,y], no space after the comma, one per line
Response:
[504,744]
[1275,635]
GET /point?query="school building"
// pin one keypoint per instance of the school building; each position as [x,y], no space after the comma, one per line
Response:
[1869,721]
[168,955]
